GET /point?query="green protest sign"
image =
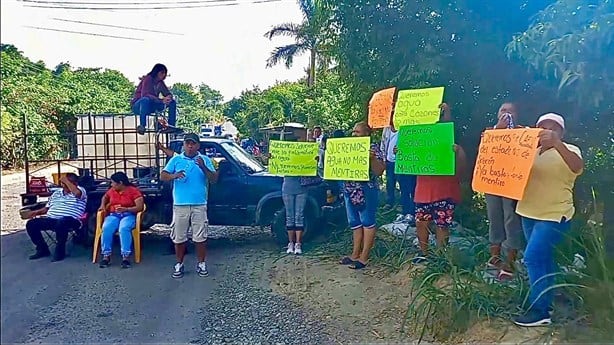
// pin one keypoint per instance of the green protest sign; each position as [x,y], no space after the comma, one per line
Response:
[426,150]
[289,158]
[347,159]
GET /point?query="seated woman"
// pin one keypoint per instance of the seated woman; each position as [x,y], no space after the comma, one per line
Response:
[121,203]
[146,98]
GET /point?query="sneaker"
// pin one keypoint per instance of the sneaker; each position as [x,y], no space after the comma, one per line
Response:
[297,249]
[533,319]
[420,259]
[201,269]
[105,262]
[140,129]
[178,270]
[290,249]
[126,263]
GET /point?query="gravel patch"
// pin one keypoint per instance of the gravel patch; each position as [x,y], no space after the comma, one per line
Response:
[246,311]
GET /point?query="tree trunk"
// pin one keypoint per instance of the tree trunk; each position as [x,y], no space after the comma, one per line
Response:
[311,79]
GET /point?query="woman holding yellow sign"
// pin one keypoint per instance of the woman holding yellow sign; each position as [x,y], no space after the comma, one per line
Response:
[361,201]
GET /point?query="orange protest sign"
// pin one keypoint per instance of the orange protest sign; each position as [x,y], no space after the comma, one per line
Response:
[380,108]
[504,161]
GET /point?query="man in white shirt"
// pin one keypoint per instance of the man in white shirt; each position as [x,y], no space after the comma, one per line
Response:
[61,215]
[407,183]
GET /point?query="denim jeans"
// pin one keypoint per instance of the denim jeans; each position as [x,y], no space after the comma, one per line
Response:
[124,222]
[407,185]
[145,106]
[295,207]
[365,217]
[391,183]
[542,237]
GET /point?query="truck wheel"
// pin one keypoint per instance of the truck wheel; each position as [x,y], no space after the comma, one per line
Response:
[278,226]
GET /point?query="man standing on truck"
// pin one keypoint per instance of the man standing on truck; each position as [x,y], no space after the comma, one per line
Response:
[190,171]
[64,209]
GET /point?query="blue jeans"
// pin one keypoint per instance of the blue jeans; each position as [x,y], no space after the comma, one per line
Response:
[542,237]
[365,217]
[145,106]
[295,210]
[407,185]
[124,222]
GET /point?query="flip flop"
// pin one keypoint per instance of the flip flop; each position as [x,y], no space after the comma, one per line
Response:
[357,265]
[346,260]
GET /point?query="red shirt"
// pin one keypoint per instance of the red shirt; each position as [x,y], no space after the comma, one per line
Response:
[125,198]
[436,188]
[150,89]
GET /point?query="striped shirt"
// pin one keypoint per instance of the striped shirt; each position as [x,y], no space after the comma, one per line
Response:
[62,204]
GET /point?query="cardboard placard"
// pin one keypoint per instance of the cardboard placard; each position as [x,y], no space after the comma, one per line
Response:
[504,161]
[426,150]
[289,158]
[347,159]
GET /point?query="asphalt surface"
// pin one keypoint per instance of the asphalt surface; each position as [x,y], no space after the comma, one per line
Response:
[75,301]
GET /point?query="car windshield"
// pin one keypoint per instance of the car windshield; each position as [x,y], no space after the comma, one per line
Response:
[243,158]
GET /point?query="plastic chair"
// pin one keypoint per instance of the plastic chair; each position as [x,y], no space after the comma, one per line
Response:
[136,234]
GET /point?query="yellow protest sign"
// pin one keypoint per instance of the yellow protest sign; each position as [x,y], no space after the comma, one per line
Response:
[289,158]
[504,161]
[418,107]
[380,108]
[347,159]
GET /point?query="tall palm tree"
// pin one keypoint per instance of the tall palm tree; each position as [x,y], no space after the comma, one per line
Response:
[310,36]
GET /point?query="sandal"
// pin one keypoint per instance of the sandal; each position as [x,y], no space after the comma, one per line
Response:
[346,260]
[357,265]
[505,275]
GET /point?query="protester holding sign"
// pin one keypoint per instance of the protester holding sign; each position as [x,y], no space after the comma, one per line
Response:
[436,198]
[546,210]
[504,224]
[361,201]
[407,183]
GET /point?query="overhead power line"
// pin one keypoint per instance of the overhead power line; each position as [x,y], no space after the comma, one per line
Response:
[84,33]
[48,2]
[117,26]
[86,6]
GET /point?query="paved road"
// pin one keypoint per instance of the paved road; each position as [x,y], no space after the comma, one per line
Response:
[74,301]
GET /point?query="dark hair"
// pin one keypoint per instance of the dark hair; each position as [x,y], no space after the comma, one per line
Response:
[338,133]
[72,177]
[365,126]
[317,127]
[156,69]
[121,177]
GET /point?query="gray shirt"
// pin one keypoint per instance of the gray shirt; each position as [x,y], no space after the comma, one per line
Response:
[292,186]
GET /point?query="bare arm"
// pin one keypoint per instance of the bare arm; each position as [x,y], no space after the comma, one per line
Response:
[461,162]
[104,203]
[72,187]
[377,166]
[139,205]
[166,176]
[573,161]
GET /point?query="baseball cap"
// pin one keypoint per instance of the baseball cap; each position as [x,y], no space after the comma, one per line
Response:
[552,117]
[191,136]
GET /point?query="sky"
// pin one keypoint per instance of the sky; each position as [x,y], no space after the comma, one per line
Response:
[221,46]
